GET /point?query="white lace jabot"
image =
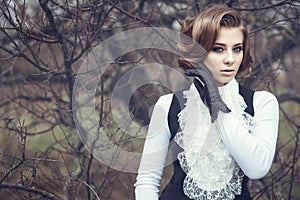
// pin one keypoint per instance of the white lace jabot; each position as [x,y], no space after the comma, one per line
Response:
[211,172]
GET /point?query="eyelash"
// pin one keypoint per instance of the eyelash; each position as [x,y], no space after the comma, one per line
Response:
[221,49]
[217,49]
[238,49]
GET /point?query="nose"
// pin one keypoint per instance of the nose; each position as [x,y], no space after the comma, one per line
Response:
[229,58]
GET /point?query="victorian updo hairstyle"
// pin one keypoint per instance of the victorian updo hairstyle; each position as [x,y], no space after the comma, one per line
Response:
[202,31]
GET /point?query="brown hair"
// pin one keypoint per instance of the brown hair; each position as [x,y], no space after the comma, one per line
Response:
[203,29]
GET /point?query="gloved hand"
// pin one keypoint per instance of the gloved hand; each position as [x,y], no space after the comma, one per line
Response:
[209,93]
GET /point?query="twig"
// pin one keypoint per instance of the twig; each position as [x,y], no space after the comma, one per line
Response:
[42,193]
[95,193]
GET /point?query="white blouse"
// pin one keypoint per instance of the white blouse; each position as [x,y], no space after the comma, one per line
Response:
[253,153]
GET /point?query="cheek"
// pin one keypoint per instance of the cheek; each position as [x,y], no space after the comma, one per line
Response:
[239,59]
[212,61]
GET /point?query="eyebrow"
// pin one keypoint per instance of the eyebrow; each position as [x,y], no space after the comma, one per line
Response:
[222,44]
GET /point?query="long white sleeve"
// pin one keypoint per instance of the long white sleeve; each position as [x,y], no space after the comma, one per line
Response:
[254,153]
[155,152]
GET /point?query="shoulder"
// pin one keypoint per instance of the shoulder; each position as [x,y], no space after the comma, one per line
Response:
[263,96]
[264,100]
[164,102]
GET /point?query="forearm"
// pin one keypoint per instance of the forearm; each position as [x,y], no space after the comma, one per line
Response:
[253,155]
[150,172]
[253,152]
[147,186]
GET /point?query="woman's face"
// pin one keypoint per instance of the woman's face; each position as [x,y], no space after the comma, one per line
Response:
[226,55]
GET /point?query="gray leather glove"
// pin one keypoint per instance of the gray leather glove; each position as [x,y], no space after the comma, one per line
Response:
[209,92]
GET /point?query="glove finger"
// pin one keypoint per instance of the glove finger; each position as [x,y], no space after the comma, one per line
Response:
[203,92]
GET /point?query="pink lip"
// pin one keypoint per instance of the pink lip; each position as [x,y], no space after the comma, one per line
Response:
[227,72]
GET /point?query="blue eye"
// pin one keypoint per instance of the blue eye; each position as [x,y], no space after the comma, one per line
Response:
[238,49]
[217,49]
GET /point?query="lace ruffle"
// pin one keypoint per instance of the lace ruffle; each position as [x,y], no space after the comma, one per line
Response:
[211,172]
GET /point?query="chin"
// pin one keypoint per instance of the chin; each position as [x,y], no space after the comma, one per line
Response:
[224,81]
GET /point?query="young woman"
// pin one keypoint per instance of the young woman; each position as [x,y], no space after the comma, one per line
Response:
[216,156]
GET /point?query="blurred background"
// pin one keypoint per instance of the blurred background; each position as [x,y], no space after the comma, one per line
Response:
[44,42]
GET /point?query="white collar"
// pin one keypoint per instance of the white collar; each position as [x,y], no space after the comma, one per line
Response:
[208,165]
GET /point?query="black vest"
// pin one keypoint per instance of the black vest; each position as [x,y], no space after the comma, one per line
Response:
[174,189]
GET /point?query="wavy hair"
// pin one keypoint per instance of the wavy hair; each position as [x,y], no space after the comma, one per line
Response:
[203,29]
